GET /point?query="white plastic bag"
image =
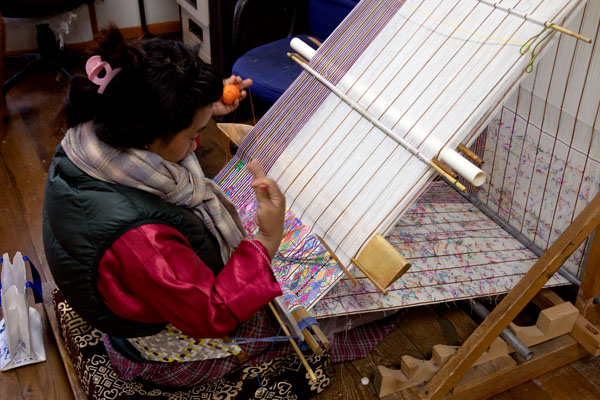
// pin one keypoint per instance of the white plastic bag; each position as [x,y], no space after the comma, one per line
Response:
[21,332]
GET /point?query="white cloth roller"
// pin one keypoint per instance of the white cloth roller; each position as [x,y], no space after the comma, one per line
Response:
[463,167]
[302,48]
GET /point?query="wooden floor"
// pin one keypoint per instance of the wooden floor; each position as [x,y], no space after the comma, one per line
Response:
[26,147]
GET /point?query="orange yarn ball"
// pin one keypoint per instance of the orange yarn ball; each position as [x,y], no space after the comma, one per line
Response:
[230,94]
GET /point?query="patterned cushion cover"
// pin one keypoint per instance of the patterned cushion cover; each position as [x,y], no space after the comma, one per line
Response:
[279,378]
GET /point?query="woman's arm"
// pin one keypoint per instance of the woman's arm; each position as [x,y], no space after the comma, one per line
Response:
[151,274]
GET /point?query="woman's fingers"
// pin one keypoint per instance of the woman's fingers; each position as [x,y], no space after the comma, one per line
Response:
[220,108]
[270,212]
[246,83]
[238,81]
[263,186]
[256,170]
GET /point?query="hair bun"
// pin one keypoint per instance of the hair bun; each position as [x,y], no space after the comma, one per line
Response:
[111,47]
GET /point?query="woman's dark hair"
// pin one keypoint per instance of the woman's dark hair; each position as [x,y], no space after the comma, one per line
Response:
[156,94]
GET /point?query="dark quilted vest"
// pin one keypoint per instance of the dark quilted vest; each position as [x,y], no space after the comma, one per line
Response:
[84,216]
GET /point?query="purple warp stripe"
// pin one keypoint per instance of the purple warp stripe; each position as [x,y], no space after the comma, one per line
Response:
[268,139]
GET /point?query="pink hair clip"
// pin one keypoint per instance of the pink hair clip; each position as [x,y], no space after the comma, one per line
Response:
[93,66]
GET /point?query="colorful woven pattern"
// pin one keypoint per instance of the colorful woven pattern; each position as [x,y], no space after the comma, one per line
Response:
[455,250]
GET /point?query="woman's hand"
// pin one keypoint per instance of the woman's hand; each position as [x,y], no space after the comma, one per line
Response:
[270,212]
[220,108]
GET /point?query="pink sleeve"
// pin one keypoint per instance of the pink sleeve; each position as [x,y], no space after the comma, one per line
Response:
[151,274]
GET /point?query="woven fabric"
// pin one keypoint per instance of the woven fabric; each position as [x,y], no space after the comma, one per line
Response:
[262,325]
[172,345]
[359,342]
[182,184]
[345,346]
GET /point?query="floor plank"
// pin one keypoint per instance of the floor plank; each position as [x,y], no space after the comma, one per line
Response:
[346,385]
[567,383]
[589,367]
[526,391]
[27,177]
[22,177]
[425,327]
[388,353]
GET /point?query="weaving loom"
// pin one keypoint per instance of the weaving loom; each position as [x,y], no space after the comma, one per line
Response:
[344,179]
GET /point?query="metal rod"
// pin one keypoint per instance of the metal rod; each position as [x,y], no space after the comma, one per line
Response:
[506,334]
[535,20]
[516,234]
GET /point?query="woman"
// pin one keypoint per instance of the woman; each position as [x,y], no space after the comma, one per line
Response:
[142,245]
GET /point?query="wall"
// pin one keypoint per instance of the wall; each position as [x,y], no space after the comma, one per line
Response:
[20,34]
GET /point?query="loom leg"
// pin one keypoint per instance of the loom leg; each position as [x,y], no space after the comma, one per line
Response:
[590,284]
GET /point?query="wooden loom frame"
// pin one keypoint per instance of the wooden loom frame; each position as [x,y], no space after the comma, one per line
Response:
[584,338]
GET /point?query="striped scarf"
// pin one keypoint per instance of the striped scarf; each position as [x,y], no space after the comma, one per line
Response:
[182,184]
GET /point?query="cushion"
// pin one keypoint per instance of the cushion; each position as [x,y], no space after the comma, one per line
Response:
[326,15]
[270,68]
[278,378]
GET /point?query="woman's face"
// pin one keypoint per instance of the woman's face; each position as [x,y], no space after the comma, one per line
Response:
[184,142]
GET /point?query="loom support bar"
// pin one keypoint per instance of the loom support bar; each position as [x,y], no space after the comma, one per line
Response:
[391,134]
[337,260]
[445,168]
[315,41]
[470,154]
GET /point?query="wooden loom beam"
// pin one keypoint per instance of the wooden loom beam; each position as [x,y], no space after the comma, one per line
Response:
[531,18]
[489,380]
[590,284]
[514,302]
